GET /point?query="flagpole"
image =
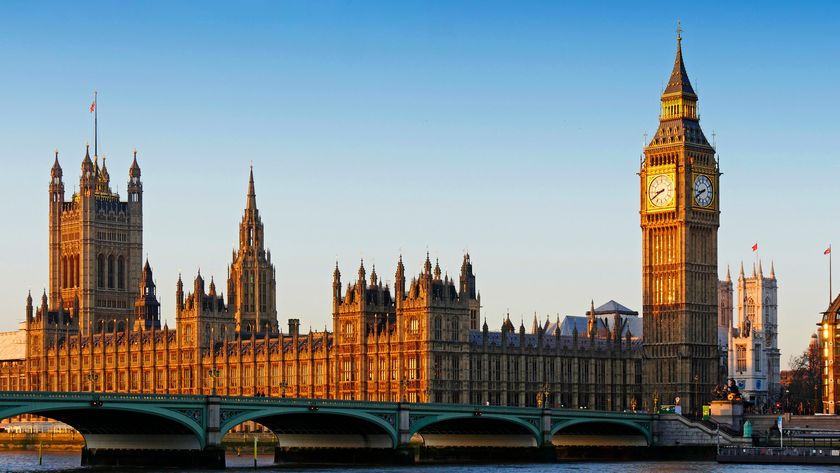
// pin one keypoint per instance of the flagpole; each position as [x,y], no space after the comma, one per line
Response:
[830,291]
[95,126]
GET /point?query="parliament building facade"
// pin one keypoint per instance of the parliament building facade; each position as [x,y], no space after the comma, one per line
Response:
[98,327]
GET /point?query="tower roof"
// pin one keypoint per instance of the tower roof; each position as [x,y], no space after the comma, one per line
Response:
[679,83]
[252,195]
[134,170]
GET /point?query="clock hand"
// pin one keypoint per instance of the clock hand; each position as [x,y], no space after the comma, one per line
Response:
[701,191]
[655,195]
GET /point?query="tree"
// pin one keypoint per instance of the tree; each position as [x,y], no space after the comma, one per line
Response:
[802,395]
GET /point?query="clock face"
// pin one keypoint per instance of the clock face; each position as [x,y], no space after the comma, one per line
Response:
[703,192]
[661,190]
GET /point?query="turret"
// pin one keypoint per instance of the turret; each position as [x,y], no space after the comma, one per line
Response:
[336,287]
[179,295]
[29,308]
[56,182]
[361,279]
[58,272]
[87,179]
[399,284]
[146,306]
[135,186]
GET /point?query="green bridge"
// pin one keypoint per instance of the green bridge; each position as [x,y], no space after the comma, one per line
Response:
[184,430]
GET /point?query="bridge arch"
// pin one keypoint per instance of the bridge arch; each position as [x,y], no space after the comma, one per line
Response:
[303,426]
[607,431]
[119,425]
[486,429]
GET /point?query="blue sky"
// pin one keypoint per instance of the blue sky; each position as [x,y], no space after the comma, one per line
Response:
[511,129]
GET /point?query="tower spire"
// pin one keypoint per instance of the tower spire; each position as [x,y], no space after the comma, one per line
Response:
[252,196]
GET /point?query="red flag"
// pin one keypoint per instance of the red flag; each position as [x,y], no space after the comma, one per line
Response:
[755,246]
[827,251]
[92,106]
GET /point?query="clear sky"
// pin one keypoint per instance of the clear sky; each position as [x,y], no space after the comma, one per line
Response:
[511,129]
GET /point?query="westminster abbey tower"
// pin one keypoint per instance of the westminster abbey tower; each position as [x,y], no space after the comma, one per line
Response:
[680,215]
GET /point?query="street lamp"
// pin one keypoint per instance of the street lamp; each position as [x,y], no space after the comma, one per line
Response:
[542,396]
[403,387]
[214,373]
[695,402]
[92,377]
[283,386]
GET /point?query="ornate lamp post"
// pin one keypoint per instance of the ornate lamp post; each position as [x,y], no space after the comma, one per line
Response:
[543,396]
[214,373]
[283,386]
[92,377]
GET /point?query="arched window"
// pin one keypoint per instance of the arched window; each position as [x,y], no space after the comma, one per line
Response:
[111,272]
[75,264]
[751,310]
[438,335]
[100,271]
[121,273]
[454,329]
[64,274]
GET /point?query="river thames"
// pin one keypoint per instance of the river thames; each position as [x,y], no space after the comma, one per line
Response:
[24,461]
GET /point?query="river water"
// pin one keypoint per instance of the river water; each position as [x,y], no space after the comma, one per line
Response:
[25,461]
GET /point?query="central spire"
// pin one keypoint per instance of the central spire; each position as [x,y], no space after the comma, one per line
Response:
[250,230]
[252,196]
[679,83]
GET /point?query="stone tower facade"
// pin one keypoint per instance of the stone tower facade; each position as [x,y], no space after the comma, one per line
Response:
[753,342]
[398,344]
[725,298]
[679,210]
[252,287]
[96,246]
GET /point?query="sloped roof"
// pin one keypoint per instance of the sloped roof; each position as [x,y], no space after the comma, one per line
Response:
[12,345]
[612,307]
[679,83]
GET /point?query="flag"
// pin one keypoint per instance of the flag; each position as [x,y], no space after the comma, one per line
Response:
[755,246]
[93,106]
[827,251]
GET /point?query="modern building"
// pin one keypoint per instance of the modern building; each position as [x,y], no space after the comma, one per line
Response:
[752,341]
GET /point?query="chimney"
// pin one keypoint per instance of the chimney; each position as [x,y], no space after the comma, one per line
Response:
[294,327]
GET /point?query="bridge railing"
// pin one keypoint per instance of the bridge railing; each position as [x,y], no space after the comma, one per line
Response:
[86,395]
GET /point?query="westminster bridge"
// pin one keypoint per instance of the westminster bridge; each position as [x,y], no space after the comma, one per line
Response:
[186,430]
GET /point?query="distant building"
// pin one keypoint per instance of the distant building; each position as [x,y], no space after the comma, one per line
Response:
[751,344]
[828,346]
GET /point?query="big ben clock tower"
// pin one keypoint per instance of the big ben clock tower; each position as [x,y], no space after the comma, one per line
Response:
[680,215]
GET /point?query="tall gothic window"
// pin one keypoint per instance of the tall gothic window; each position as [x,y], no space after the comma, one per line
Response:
[121,273]
[751,310]
[740,358]
[100,271]
[437,329]
[111,272]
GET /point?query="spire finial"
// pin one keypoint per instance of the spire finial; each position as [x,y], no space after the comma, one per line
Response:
[679,32]
[252,196]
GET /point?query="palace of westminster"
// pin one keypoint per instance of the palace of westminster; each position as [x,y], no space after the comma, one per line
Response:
[98,328]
